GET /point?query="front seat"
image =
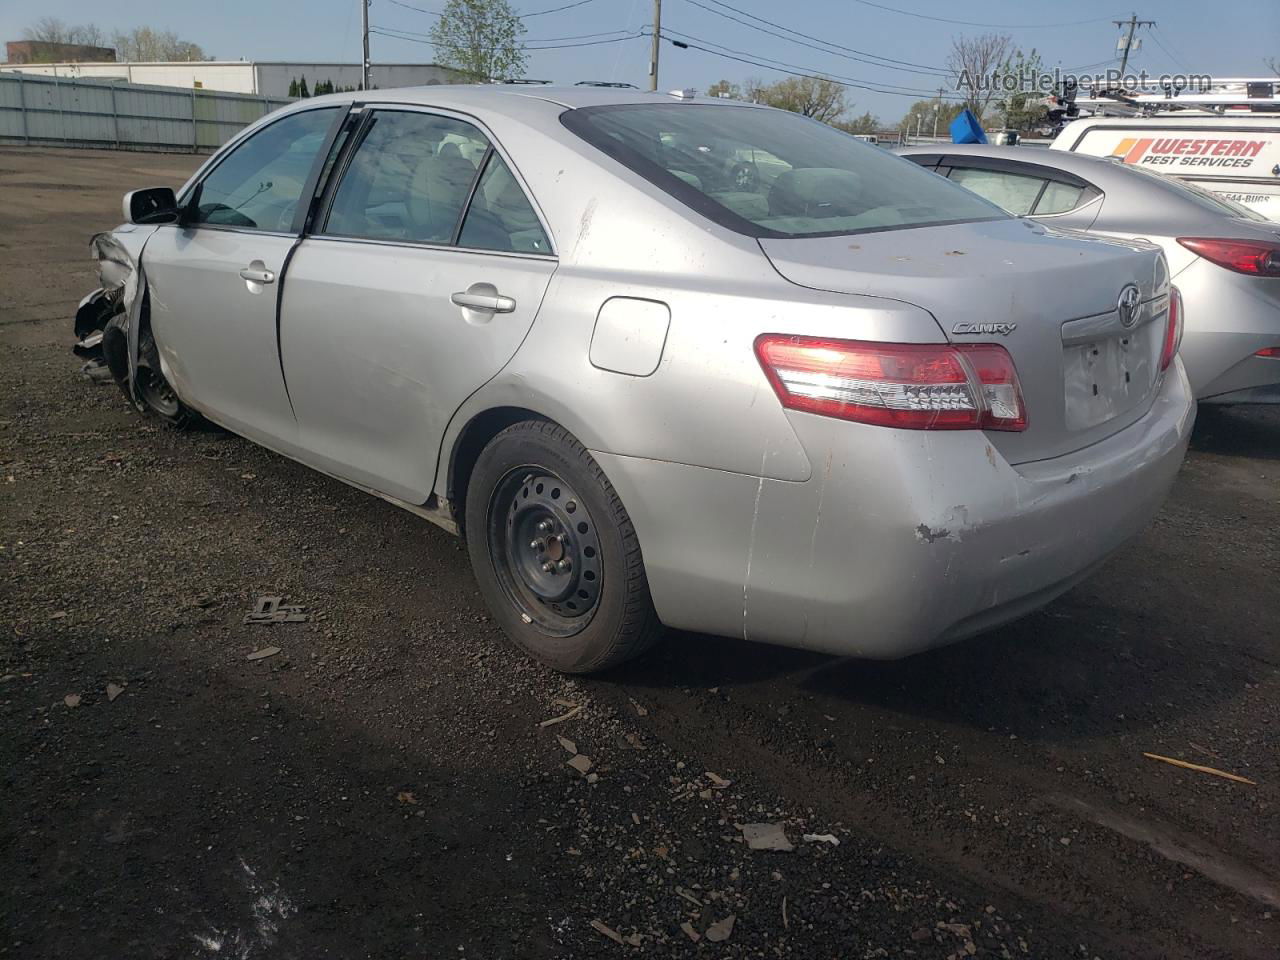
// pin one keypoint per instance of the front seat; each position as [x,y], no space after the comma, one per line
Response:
[441,183]
[816,192]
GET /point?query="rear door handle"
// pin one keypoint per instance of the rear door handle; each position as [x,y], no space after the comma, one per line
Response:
[474,299]
[257,272]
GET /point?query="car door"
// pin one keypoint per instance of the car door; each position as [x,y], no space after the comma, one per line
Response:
[214,277]
[424,274]
[1027,189]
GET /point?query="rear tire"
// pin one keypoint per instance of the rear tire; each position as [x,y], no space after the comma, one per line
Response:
[158,397]
[554,552]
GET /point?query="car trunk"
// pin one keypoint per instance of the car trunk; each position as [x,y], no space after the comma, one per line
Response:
[1050,298]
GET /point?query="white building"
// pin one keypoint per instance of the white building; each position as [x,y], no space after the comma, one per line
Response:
[262,77]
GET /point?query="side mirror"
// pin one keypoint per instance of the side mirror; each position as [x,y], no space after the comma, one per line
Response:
[152,205]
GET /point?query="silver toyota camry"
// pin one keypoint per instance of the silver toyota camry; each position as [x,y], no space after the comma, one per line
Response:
[828,400]
[1224,258]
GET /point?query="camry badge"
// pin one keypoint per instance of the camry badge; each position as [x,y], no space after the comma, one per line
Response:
[1128,305]
[999,329]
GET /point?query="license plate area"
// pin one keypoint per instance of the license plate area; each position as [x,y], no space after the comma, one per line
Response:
[1107,376]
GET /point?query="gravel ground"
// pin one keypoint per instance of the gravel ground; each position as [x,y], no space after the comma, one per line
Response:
[383,786]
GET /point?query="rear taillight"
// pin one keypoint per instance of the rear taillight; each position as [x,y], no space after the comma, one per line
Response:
[1272,353]
[912,385]
[1242,256]
[1172,329]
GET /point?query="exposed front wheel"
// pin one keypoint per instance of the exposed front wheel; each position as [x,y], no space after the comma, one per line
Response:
[157,394]
[555,553]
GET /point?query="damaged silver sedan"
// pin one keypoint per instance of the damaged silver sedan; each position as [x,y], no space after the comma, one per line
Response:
[829,400]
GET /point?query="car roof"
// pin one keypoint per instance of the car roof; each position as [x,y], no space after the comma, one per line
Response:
[503,96]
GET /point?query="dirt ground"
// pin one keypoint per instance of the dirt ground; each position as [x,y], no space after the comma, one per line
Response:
[382,786]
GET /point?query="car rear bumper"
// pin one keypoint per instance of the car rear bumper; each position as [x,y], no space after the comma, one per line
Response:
[901,540]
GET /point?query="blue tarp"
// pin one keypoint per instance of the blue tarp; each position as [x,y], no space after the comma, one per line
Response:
[966,129]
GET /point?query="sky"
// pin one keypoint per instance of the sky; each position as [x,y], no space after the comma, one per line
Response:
[908,42]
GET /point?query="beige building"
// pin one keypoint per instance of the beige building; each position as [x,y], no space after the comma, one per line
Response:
[258,77]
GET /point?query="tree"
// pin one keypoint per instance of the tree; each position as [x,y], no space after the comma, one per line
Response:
[302,88]
[53,30]
[725,89]
[972,62]
[922,113]
[815,97]
[480,38]
[1023,109]
[142,44]
[293,87]
[867,123]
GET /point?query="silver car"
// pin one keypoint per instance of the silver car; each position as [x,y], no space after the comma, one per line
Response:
[854,409]
[1225,258]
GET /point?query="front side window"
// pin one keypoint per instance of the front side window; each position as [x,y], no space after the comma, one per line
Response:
[773,173]
[408,179]
[1009,191]
[257,186]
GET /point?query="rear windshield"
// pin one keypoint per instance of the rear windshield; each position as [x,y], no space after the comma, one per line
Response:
[770,173]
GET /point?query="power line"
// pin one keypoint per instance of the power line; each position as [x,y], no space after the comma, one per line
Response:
[926,68]
[835,78]
[580,36]
[1171,55]
[975,23]
[769,61]
[521,16]
[557,46]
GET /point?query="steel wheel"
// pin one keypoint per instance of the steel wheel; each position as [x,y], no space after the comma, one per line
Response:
[546,550]
[157,394]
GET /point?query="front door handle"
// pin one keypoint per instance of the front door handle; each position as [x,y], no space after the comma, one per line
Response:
[484,297]
[257,272]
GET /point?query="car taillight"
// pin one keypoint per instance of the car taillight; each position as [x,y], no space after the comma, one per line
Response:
[1242,256]
[1172,329]
[913,385]
[1270,352]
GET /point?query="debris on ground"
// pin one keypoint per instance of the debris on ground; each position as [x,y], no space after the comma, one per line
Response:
[821,838]
[551,721]
[263,653]
[721,930]
[274,610]
[682,892]
[601,927]
[568,744]
[72,699]
[407,796]
[640,710]
[718,781]
[691,933]
[580,763]
[1200,769]
[113,690]
[766,836]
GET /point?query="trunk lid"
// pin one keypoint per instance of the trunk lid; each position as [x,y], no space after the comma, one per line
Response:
[1051,298]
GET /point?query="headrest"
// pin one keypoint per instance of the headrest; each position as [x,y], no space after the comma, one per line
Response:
[816,192]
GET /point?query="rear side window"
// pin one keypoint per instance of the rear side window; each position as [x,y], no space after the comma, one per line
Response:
[500,216]
[1010,191]
[1058,198]
[408,179]
[258,184]
[771,173]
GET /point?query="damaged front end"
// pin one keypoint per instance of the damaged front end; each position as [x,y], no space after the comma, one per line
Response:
[108,321]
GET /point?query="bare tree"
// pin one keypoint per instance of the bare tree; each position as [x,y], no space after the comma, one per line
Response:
[972,62]
[815,97]
[1273,64]
[53,30]
[142,44]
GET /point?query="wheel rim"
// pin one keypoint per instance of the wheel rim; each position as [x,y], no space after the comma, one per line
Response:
[157,393]
[546,550]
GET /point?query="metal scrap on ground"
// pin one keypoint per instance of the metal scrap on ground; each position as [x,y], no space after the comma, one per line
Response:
[766,836]
[272,610]
[263,653]
[564,716]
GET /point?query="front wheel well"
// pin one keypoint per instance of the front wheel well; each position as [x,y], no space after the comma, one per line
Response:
[474,437]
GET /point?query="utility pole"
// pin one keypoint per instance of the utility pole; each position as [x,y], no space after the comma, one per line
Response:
[1133,23]
[364,29]
[654,43]
[937,109]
